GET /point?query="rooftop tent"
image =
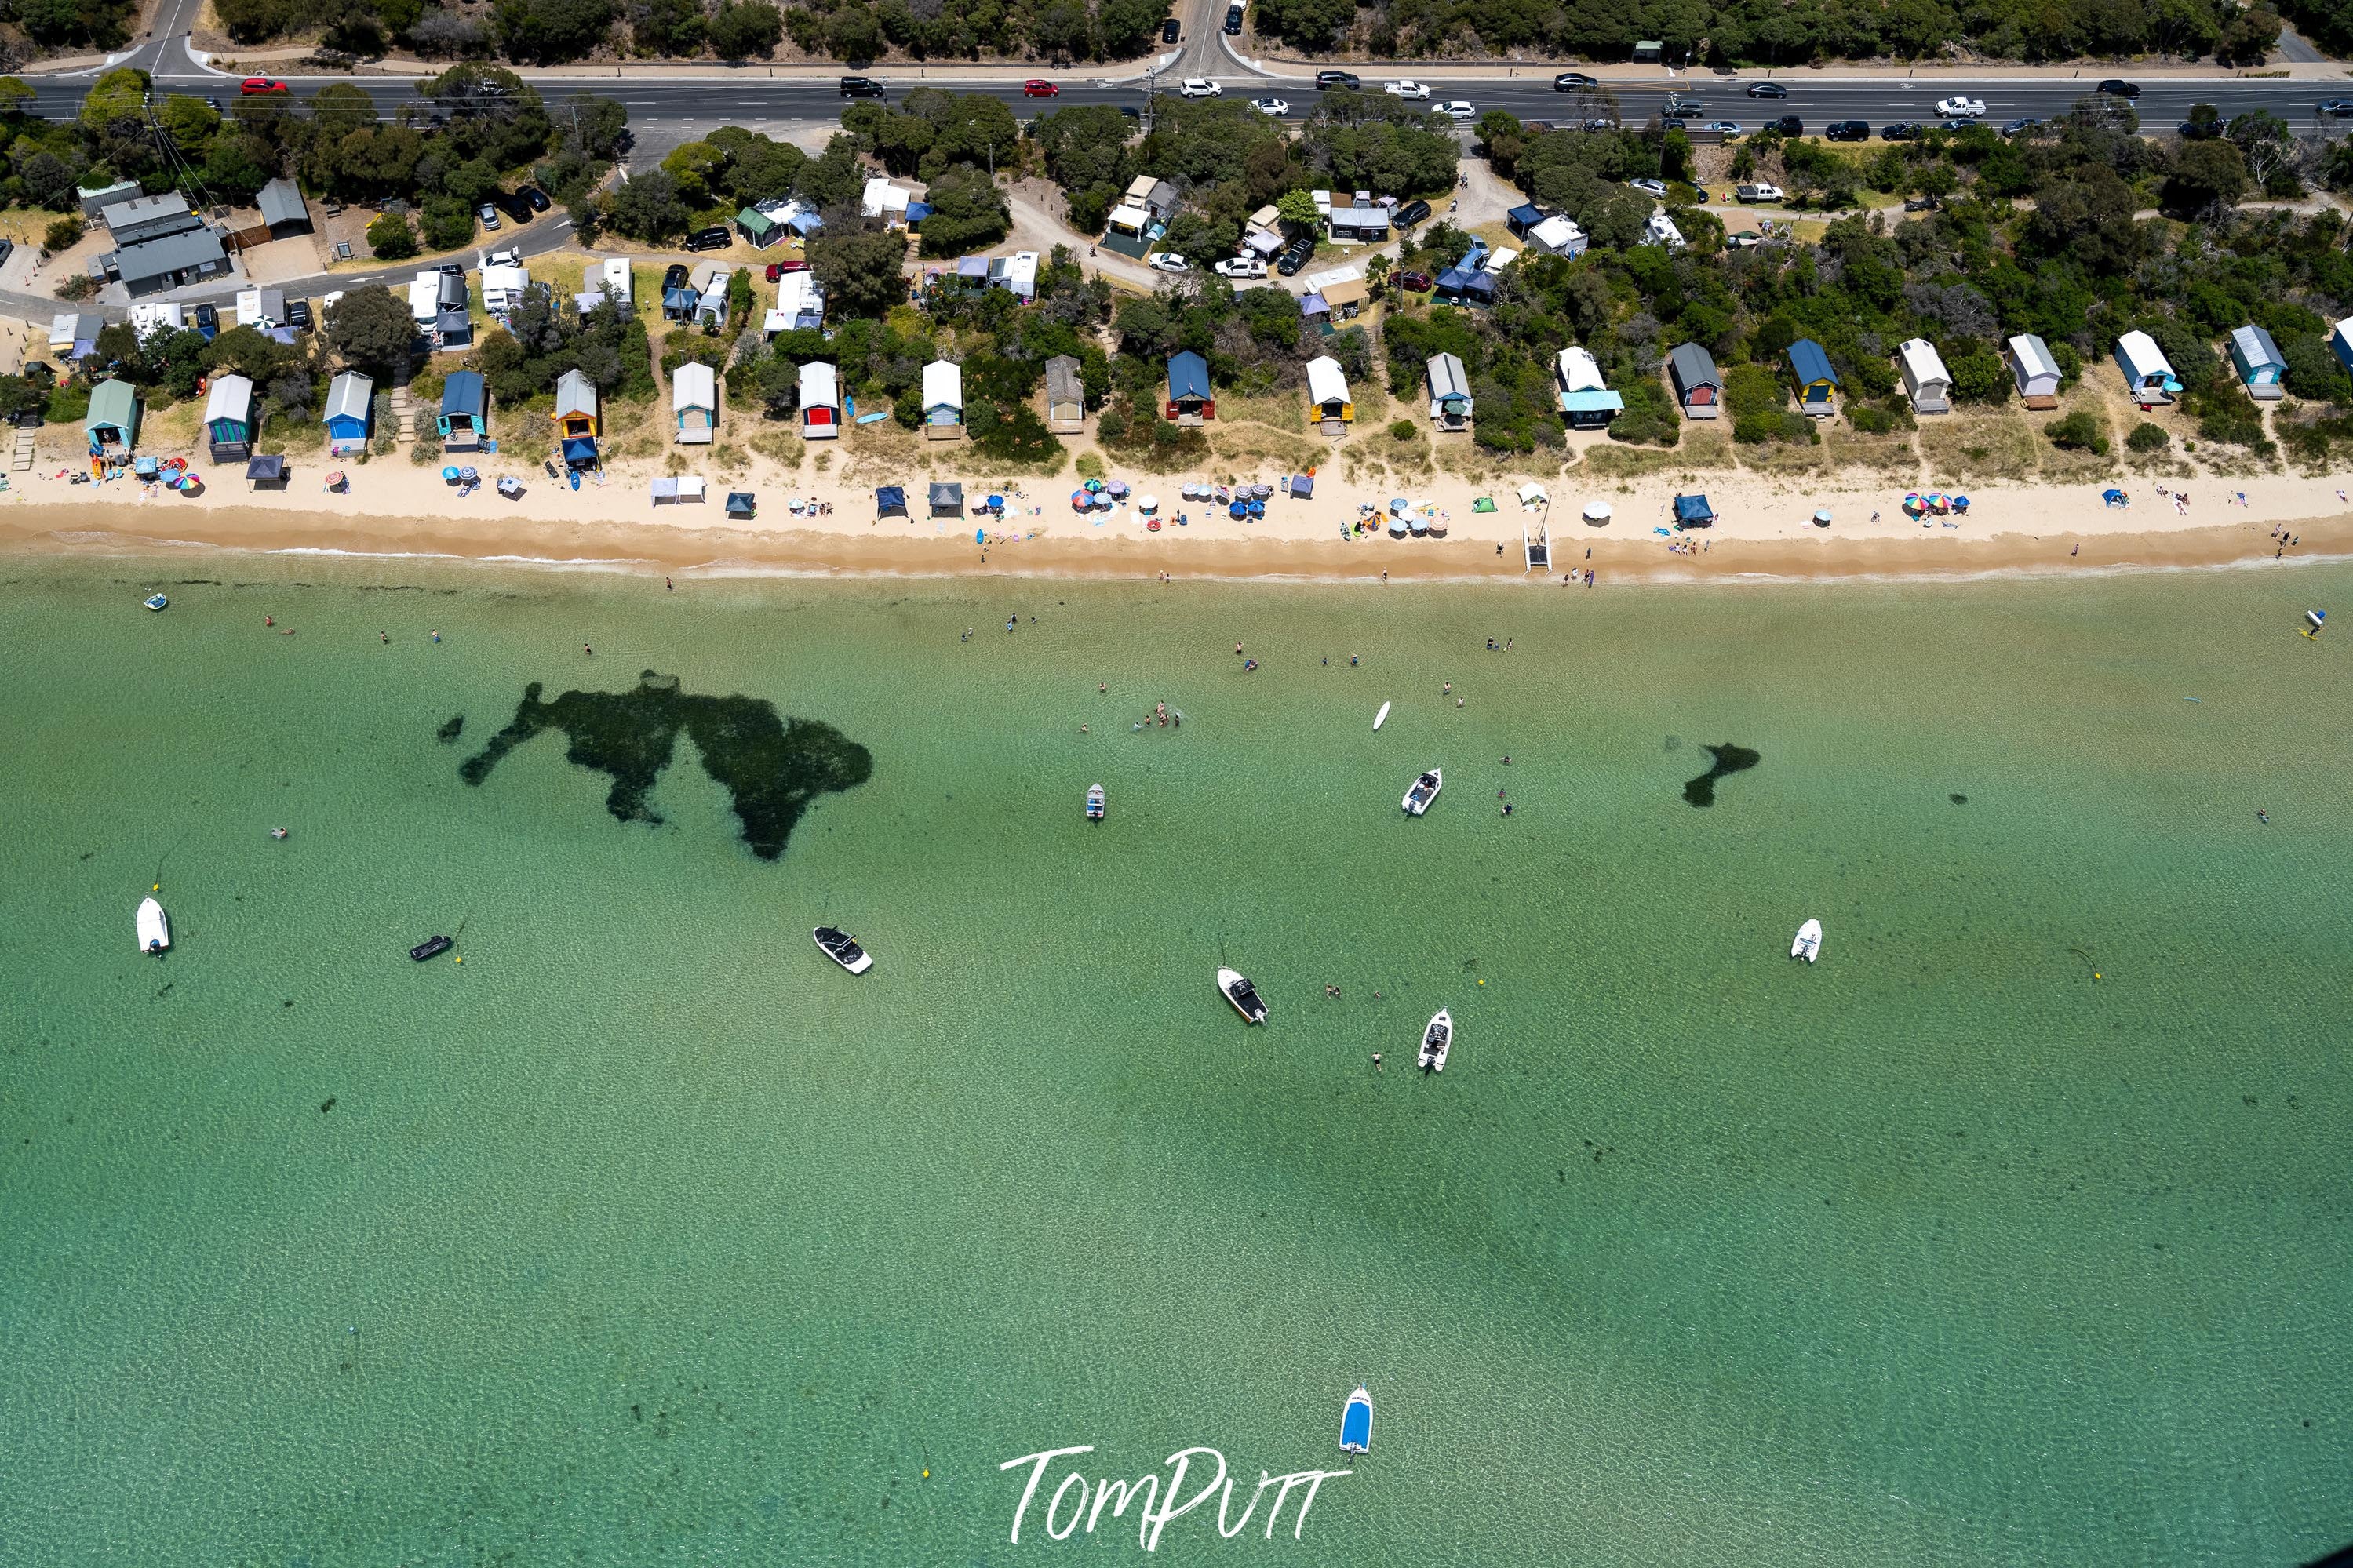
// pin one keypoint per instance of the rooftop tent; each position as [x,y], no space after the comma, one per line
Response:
[2258,359]
[579,452]
[1066,404]
[1693,512]
[1189,397]
[1521,219]
[350,403]
[947,498]
[113,418]
[741,503]
[270,470]
[2144,363]
[1302,486]
[889,499]
[695,399]
[1818,383]
[1926,380]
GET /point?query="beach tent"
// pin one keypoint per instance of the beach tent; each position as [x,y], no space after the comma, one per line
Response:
[1699,386]
[684,487]
[1484,504]
[1450,392]
[113,421]
[576,405]
[2148,374]
[1302,486]
[1693,512]
[1066,399]
[2258,359]
[1926,380]
[947,497]
[2035,370]
[464,418]
[741,503]
[890,500]
[695,399]
[2114,498]
[267,473]
[820,389]
[350,410]
[579,452]
[1534,494]
[228,419]
[1189,399]
[1328,394]
[1584,401]
[943,401]
[1818,383]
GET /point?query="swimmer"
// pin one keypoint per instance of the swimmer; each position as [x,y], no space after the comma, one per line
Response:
[1100,685]
[436,636]
[384,638]
[1458,702]
[269,620]
[1447,690]
[586,649]
[2265,817]
[1238,650]
[1083,729]
[1507,761]
[1352,661]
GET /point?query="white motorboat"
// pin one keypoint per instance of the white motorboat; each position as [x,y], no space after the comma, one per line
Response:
[1094,803]
[156,601]
[1435,1040]
[1808,945]
[839,946]
[1382,717]
[154,927]
[1239,991]
[1425,790]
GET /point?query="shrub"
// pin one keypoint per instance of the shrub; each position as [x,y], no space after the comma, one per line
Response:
[1873,421]
[1401,429]
[67,405]
[391,238]
[2078,432]
[61,234]
[2147,438]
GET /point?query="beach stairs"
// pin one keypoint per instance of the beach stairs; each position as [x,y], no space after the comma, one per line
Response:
[22,458]
[403,412]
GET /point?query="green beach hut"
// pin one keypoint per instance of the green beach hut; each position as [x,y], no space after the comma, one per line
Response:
[113,423]
[228,419]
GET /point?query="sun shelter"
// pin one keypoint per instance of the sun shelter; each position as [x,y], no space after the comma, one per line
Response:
[1302,486]
[2148,374]
[1450,392]
[1531,495]
[821,401]
[576,406]
[1328,394]
[1066,397]
[947,497]
[112,425]
[943,401]
[1693,512]
[2258,359]
[742,504]
[890,500]
[350,407]
[2034,369]
[1926,380]
[1818,383]
[1190,401]
[228,419]
[267,473]
[695,399]
[579,452]
[464,418]
[1586,402]
[683,488]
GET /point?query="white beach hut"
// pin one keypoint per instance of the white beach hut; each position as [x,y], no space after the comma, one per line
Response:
[1926,380]
[943,401]
[2035,370]
[1328,394]
[821,401]
[695,398]
[2148,374]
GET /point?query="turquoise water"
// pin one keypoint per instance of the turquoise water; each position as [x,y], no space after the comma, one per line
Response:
[646,1234]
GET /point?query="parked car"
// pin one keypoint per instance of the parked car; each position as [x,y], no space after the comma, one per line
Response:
[260,84]
[1955,108]
[1728,129]
[1601,123]
[2027,127]
[1240,267]
[1902,130]
[534,198]
[1847,130]
[1651,187]
[1788,125]
[297,315]
[1324,80]
[675,278]
[1921,204]
[1273,108]
[515,207]
[1234,20]
[1294,257]
[1170,31]
[862,87]
[2116,87]
[2334,108]
[1414,282]
[778,268]
[1572,81]
[488,212]
[1759,192]
[1038,87]
[207,321]
[1457,109]
[1168,261]
[1411,214]
[1768,89]
[1406,88]
[715,238]
[1199,87]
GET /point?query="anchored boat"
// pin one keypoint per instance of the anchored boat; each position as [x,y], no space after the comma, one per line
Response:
[156,601]
[839,947]
[154,928]
[1239,991]
[1435,1040]
[1425,790]
[432,947]
[1356,1423]
[1094,803]
[1808,945]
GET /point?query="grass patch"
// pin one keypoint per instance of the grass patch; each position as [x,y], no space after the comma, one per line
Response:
[1995,444]
[1250,447]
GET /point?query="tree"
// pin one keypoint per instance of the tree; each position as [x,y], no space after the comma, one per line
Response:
[189,121]
[862,273]
[1978,374]
[598,125]
[2206,177]
[546,32]
[15,95]
[117,95]
[1297,207]
[2078,432]
[648,207]
[372,327]
[391,238]
[748,31]
[448,222]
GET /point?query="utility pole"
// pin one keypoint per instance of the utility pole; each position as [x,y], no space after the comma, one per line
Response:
[1151,80]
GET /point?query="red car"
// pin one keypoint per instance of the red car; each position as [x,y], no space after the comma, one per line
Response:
[254,84]
[1034,87]
[778,268]
[1413,282]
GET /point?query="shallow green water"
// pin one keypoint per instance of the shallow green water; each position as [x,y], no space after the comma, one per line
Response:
[648,1235]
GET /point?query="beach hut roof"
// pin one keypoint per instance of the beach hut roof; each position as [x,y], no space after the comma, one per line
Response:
[2141,352]
[348,396]
[463,393]
[1189,375]
[944,385]
[1064,383]
[947,497]
[1447,378]
[112,403]
[2254,348]
[1923,363]
[1579,371]
[574,394]
[819,383]
[1324,381]
[231,397]
[696,386]
[2034,354]
[1810,365]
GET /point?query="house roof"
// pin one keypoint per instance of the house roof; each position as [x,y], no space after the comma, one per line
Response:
[1923,363]
[574,394]
[1189,375]
[231,397]
[819,384]
[1693,366]
[280,202]
[112,403]
[463,393]
[695,386]
[1446,377]
[197,247]
[1063,383]
[1347,292]
[2034,354]
[942,385]
[1324,381]
[1579,371]
[2255,348]
[348,396]
[1140,188]
[148,218]
[1810,365]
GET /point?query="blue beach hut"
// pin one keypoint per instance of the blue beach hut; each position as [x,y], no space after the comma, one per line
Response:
[464,415]
[2258,359]
[350,400]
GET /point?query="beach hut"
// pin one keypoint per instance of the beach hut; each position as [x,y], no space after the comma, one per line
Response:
[890,500]
[464,412]
[821,401]
[112,425]
[1693,512]
[351,401]
[1450,392]
[943,401]
[1926,380]
[228,419]
[1586,401]
[684,487]
[947,497]
[2341,341]
[2035,370]
[1327,395]
[265,473]
[1066,397]
[1189,399]
[576,406]
[2148,374]
[2258,359]
[1818,383]
[695,399]
[1699,386]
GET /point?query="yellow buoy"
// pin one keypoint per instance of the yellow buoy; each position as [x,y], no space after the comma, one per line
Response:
[461,959]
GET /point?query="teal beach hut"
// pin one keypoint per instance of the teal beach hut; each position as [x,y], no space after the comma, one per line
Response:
[113,423]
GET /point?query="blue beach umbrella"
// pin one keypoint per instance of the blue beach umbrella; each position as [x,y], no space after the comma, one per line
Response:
[450,473]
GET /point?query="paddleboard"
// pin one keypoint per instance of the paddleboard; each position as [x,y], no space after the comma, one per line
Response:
[1382,717]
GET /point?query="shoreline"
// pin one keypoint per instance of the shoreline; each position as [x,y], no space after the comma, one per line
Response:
[62,531]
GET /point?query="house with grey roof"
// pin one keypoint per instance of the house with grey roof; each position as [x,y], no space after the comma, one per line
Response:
[155,265]
[149,217]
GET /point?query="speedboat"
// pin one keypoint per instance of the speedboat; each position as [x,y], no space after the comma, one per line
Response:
[155,600]
[1382,717]
[842,950]
[1242,995]
[1434,1041]
[1094,803]
[1425,790]
[1356,1423]
[1808,945]
[154,929]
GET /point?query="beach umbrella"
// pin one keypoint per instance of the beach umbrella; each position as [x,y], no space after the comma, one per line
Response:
[1821,517]
[1399,503]
[1147,503]
[1960,503]
[1093,486]
[1595,511]
[995,503]
[450,475]
[1081,500]
[1118,488]
[1238,509]
[1912,502]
